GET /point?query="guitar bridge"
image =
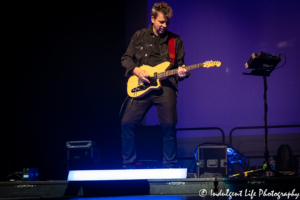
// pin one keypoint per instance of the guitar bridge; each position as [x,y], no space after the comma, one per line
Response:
[140,88]
[143,86]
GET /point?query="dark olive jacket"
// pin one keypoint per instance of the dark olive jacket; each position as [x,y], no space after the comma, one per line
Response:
[141,46]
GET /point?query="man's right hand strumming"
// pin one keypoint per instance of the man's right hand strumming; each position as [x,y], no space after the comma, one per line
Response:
[142,74]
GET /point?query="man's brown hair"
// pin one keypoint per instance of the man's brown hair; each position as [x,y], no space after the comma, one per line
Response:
[163,8]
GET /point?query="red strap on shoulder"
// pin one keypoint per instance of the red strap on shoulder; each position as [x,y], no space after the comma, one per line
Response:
[172,48]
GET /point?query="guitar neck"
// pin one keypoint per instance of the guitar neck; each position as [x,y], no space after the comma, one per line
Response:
[175,71]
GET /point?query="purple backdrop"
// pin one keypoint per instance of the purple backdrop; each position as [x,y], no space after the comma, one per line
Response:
[230,31]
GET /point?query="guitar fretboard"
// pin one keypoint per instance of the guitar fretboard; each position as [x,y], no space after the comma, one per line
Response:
[175,71]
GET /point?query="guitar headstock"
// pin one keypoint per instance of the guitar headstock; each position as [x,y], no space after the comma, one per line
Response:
[211,63]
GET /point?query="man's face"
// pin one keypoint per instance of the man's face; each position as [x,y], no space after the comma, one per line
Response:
[160,24]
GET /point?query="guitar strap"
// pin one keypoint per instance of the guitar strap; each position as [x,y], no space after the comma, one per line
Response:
[172,48]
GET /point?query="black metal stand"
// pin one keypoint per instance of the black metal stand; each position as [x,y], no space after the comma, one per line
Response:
[266,121]
[264,72]
[263,64]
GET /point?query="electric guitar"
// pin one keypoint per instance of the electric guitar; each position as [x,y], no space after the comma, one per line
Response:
[137,88]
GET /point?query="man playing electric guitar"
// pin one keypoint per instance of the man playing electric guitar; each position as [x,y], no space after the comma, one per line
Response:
[151,47]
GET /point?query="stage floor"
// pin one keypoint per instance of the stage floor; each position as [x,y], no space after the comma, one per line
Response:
[189,189]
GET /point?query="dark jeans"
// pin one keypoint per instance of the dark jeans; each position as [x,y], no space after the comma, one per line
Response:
[165,100]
